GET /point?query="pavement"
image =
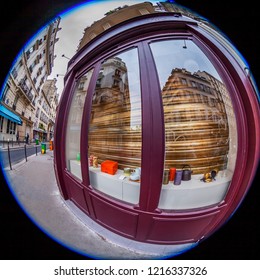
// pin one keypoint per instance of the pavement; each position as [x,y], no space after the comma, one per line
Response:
[40,198]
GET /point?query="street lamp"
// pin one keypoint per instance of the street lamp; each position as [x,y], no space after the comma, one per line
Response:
[65,56]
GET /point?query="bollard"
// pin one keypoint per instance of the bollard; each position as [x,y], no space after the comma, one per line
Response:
[9,157]
[25,152]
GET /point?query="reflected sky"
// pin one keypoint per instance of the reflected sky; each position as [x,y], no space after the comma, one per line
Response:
[184,54]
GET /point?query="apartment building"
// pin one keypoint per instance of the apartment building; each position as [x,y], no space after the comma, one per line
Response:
[21,93]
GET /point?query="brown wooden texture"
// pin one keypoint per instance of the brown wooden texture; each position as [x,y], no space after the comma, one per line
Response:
[196,125]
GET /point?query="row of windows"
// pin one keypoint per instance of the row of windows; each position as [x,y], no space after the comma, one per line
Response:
[35,47]
[44,118]
[35,62]
[45,107]
[196,85]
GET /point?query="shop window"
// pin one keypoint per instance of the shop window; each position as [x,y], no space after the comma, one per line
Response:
[74,125]
[200,130]
[115,128]
[11,126]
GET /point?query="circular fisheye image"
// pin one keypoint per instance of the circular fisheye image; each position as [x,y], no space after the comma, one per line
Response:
[129,129]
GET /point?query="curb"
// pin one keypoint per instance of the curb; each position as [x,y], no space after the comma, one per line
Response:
[22,161]
[18,147]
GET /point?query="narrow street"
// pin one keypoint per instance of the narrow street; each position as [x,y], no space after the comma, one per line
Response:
[18,153]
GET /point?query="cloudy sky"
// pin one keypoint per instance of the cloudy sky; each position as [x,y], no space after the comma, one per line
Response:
[73,23]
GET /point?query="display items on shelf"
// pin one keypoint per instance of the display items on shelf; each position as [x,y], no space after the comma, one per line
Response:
[135,175]
[109,166]
[90,160]
[172,174]
[178,177]
[127,171]
[186,173]
[95,162]
[209,176]
[165,176]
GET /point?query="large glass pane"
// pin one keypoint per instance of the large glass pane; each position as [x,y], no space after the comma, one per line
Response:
[115,128]
[200,127]
[74,125]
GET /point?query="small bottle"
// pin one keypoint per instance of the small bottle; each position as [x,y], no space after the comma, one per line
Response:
[165,176]
[95,162]
[178,176]
[172,174]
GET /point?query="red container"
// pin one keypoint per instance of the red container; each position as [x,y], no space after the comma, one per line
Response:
[109,166]
[172,174]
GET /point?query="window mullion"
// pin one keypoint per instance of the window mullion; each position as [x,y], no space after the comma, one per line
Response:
[153,132]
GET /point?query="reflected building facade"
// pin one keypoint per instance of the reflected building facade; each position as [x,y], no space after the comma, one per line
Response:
[115,130]
[196,125]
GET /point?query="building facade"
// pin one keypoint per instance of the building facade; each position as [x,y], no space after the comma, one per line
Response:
[43,127]
[121,14]
[22,90]
[114,17]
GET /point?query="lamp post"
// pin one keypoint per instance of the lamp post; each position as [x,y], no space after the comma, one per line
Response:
[65,56]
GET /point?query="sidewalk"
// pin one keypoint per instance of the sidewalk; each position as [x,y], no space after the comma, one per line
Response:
[64,222]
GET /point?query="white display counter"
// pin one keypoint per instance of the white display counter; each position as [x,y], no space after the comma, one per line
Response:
[190,194]
[112,185]
[195,193]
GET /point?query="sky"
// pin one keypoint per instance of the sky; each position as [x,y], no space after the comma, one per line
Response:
[73,23]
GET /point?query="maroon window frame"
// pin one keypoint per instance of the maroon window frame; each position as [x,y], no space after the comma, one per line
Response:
[146,222]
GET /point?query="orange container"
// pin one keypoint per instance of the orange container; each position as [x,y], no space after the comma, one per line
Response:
[51,145]
[109,166]
[172,174]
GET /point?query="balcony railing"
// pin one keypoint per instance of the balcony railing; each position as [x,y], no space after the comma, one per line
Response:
[26,89]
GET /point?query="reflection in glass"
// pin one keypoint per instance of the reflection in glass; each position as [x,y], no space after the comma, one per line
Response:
[200,130]
[115,125]
[74,125]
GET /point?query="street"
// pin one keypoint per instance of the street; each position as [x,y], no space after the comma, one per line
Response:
[18,154]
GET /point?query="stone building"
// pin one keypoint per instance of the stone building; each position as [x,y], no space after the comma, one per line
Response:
[43,127]
[22,90]
[114,17]
[126,12]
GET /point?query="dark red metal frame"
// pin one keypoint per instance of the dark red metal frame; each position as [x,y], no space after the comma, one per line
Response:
[144,221]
